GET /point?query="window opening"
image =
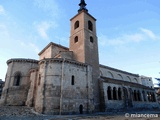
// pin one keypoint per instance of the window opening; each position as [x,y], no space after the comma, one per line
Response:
[76,39]
[72,80]
[109,93]
[90,25]
[76,25]
[17,79]
[91,39]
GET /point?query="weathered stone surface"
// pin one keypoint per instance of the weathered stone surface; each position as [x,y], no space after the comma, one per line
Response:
[71,81]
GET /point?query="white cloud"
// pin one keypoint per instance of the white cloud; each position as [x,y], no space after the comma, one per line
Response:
[2,11]
[123,39]
[149,33]
[142,35]
[43,27]
[136,37]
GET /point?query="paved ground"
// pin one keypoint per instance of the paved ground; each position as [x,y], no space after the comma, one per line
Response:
[26,113]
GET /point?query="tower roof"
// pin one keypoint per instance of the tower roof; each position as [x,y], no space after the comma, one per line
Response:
[82,5]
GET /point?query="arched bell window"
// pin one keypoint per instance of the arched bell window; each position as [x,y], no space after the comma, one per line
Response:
[76,39]
[91,39]
[17,79]
[76,25]
[109,93]
[90,25]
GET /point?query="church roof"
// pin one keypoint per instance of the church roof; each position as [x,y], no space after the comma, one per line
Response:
[125,83]
[51,43]
[63,60]
[117,70]
[22,60]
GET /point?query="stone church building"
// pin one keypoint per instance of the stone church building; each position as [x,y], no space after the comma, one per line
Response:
[70,80]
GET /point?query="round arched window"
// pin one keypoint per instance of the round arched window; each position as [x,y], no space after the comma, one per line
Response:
[76,39]
[91,39]
[76,25]
[90,25]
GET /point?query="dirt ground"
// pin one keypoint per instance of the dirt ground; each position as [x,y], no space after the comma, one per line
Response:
[27,113]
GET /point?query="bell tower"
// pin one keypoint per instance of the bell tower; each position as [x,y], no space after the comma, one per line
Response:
[84,44]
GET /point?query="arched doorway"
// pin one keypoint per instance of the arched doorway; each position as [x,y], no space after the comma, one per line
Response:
[125,94]
[130,98]
[81,109]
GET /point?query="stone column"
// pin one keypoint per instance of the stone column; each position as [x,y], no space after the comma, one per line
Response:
[111,94]
[117,94]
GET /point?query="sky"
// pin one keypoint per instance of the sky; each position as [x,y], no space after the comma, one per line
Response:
[128,31]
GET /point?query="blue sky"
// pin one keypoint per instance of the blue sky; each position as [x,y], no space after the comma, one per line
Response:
[128,31]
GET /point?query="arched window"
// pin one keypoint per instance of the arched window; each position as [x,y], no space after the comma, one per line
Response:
[154,98]
[139,95]
[17,79]
[90,25]
[39,79]
[135,80]
[76,25]
[120,77]
[81,109]
[91,39]
[110,75]
[114,93]
[135,95]
[109,93]
[119,94]
[125,93]
[76,39]
[144,96]
[148,96]
[128,79]
[72,80]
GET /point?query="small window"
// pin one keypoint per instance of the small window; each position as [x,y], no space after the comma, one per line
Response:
[76,39]
[114,93]
[90,25]
[39,79]
[76,25]
[119,94]
[109,93]
[17,79]
[81,109]
[91,39]
[72,80]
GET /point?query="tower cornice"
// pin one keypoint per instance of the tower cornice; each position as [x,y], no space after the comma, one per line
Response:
[83,11]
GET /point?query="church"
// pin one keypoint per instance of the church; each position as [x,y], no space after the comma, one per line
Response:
[70,80]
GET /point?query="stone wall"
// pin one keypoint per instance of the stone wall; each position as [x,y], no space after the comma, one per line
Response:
[61,93]
[16,93]
[51,50]
[120,95]
[147,81]
[32,92]
[119,74]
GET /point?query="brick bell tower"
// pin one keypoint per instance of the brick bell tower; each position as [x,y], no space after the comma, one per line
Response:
[84,44]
